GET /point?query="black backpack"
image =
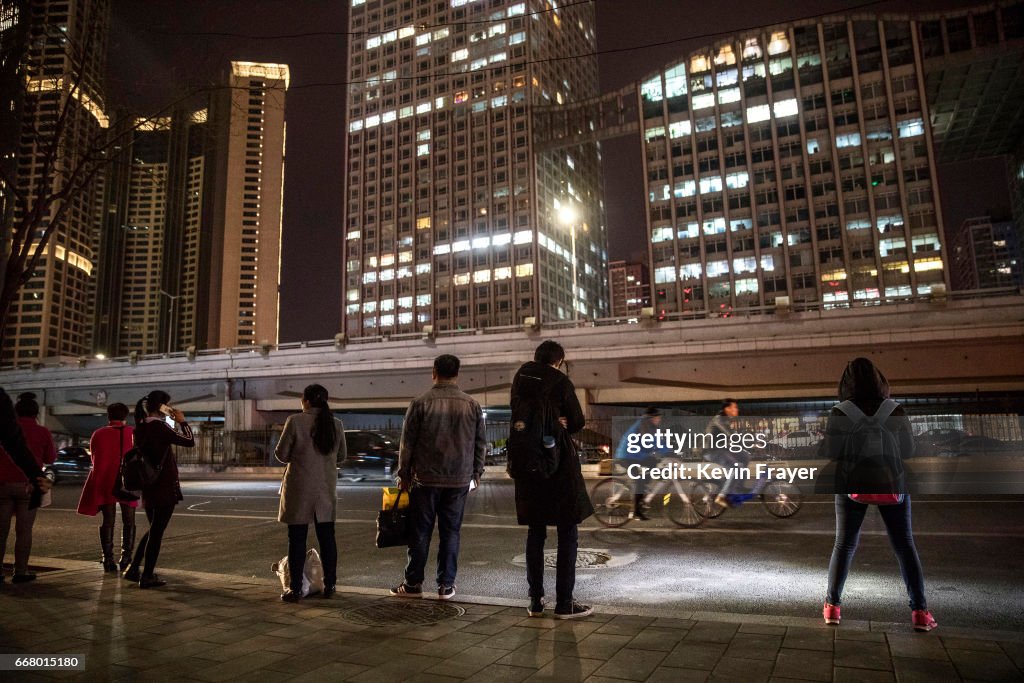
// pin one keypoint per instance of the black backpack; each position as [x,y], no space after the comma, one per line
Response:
[871,461]
[534,419]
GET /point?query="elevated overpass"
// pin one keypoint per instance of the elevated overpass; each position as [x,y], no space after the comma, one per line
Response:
[924,347]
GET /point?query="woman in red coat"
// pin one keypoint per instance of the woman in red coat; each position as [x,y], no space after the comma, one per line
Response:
[108,445]
[16,491]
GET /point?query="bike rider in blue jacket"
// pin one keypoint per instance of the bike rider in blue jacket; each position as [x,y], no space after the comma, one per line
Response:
[648,423]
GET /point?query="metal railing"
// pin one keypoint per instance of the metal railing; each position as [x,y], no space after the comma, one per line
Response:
[680,316]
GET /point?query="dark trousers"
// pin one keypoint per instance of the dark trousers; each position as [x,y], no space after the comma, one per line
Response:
[849,517]
[149,546]
[297,552]
[565,563]
[14,503]
[446,506]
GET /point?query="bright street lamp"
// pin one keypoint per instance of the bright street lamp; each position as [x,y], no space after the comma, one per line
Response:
[568,215]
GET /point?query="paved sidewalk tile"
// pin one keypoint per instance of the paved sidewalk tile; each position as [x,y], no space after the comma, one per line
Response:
[811,665]
[985,666]
[916,645]
[754,646]
[688,655]
[665,674]
[855,654]
[921,670]
[809,639]
[633,665]
[844,675]
[745,670]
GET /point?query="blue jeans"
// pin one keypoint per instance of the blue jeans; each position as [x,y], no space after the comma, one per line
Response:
[849,517]
[445,505]
[565,562]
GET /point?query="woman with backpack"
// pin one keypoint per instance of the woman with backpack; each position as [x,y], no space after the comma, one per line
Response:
[107,447]
[311,445]
[864,394]
[154,438]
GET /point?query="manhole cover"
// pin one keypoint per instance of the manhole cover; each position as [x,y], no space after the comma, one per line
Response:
[585,558]
[425,612]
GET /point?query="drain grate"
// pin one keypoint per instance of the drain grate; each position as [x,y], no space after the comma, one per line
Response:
[584,558]
[405,612]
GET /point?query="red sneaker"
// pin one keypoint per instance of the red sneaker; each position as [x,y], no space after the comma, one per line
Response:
[923,620]
[831,613]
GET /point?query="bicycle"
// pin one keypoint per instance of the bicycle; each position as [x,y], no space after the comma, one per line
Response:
[614,498]
[779,497]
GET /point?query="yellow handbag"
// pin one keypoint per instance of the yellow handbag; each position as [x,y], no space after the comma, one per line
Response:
[389,495]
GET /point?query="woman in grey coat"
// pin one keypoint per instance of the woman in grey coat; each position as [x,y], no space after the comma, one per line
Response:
[311,445]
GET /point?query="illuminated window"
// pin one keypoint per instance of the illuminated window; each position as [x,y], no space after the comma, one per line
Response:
[387,275]
[716,268]
[502,273]
[524,270]
[690,271]
[482,276]
[767,262]
[654,132]
[423,223]
[727,96]
[353,235]
[746,264]
[517,38]
[734,181]
[704,101]
[685,188]
[461,279]
[664,274]
[700,63]
[675,81]
[481,242]
[422,268]
[785,108]
[661,234]
[423,300]
[460,54]
[751,49]
[714,226]
[461,96]
[910,128]
[523,237]
[461,245]
[442,249]
[423,150]
[370,307]
[502,239]
[651,90]
[711,184]
[848,140]
[517,9]
[758,113]
[691,230]
[725,56]
[778,44]
[746,286]
[679,129]
[352,295]
[369,277]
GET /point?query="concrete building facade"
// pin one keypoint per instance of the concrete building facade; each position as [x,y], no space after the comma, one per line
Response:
[453,218]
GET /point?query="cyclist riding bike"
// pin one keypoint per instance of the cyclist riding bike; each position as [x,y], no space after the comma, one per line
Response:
[722,426]
[648,423]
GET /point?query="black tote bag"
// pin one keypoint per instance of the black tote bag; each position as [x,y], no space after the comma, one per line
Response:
[393,525]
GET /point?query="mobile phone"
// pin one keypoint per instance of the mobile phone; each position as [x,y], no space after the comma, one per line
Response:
[167,410]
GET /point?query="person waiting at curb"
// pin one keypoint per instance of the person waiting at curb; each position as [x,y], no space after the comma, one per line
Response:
[312,443]
[560,500]
[441,454]
[16,491]
[108,446]
[154,437]
[865,387]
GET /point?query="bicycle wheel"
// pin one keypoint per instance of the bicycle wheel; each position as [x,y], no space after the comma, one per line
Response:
[708,507]
[685,504]
[782,499]
[613,502]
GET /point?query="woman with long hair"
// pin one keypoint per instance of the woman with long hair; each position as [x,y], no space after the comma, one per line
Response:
[154,437]
[16,490]
[311,445]
[866,388]
[108,446]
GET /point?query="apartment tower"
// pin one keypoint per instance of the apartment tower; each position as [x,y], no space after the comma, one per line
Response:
[454,219]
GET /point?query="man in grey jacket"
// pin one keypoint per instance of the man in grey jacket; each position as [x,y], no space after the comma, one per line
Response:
[441,455]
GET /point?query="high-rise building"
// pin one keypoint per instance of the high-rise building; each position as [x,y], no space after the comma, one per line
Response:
[454,218]
[246,158]
[987,254]
[630,288]
[191,239]
[796,160]
[64,66]
[13,47]
[149,245]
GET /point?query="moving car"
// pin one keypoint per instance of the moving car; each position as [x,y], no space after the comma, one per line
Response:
[369,452]
[72,463]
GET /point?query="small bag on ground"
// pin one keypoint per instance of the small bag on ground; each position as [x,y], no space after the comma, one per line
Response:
[312,573]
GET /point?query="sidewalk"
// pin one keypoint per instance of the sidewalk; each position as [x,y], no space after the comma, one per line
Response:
[212,627]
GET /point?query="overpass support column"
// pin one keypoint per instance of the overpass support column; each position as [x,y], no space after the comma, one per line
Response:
[583,396]
[241,415]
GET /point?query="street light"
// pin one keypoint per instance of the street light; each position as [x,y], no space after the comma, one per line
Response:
[567,216]
[174,317]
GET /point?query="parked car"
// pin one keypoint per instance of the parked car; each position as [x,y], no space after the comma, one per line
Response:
[938,442]
[72,463]
[369,452]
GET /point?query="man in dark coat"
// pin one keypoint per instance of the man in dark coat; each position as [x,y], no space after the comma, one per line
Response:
[560,500]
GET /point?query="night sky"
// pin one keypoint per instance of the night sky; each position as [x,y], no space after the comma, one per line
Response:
[153,58]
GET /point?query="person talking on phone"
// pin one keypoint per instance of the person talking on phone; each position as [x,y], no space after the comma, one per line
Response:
[440,460]
[154,437]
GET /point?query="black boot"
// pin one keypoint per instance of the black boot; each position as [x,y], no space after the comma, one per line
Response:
[127,546]
[638,507]
[107,544]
